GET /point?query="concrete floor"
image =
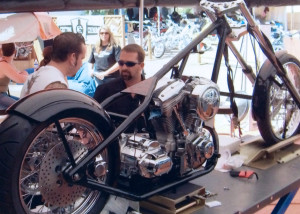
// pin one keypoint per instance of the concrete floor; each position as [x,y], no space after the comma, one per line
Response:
[294,207]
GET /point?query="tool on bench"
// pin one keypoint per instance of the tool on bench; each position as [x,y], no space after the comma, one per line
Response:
[243,174]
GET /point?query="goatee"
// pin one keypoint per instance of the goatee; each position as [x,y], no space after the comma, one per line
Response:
[126,75]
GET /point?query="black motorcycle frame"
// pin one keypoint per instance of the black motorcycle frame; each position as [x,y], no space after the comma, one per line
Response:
[221,26]
[148,92]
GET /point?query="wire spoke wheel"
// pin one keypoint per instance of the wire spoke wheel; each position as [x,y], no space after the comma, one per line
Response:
[42,186]
[282,115]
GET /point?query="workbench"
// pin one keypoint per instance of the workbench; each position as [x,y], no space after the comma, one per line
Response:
[242,195]
[280,179]
[278,170]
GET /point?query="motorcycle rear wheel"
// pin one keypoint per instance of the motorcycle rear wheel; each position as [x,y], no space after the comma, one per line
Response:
[282,116]
[33,181]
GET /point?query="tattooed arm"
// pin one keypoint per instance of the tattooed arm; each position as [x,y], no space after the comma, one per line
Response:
[56,85]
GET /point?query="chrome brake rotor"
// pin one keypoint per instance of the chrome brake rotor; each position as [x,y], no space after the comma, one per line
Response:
[53,187]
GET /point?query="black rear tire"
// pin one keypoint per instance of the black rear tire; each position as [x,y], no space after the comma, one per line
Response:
[29,152]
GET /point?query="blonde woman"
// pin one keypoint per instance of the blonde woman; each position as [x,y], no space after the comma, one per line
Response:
[104,57]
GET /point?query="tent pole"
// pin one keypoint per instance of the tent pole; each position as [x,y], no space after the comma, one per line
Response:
[141,19]
[158,20]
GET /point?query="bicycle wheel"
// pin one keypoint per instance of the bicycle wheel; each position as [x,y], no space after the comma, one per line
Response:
[158,49]
[281,114]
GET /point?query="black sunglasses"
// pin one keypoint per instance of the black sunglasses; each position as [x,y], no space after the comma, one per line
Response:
[128,64]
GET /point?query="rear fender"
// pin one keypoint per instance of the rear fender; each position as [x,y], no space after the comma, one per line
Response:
[45,104]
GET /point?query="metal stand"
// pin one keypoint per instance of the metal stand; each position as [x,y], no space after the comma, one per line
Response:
[259,156]
[183,199]
[118,205]
[284,203]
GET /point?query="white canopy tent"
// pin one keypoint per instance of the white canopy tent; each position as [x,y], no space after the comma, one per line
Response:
[24,27]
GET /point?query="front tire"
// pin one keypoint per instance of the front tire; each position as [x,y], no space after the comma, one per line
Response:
[282,115]
[31,164]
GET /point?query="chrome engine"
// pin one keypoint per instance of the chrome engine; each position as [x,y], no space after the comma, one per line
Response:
[145,157]
[178,113]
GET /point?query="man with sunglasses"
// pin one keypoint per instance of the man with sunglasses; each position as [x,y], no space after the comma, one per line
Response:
[131,65]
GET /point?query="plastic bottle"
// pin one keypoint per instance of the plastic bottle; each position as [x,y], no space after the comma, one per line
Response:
[35,64]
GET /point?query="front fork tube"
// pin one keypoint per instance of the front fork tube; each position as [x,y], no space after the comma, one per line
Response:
[268,51]
[280,71]
[291,88]
[270,55]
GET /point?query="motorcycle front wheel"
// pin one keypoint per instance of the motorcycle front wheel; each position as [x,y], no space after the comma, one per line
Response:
[282,115]
[33,181]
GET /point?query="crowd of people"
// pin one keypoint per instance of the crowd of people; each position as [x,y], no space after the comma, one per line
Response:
[112,68]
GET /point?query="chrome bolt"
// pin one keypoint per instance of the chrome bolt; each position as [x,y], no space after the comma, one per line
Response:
[76,177]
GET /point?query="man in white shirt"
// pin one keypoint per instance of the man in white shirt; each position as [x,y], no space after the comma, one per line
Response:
[68,51]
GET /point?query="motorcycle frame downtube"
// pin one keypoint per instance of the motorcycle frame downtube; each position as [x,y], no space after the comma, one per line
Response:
[222,33]
[154,79]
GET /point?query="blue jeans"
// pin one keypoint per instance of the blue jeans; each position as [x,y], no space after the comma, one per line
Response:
[6,101]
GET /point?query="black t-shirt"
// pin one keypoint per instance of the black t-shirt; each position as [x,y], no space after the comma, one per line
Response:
[106,90]
[105,59]
[124,105]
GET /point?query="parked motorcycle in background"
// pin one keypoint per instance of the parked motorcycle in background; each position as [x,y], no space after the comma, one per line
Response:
[173,36]
[151,39]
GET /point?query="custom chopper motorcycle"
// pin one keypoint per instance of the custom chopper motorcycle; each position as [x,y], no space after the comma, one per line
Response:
[60,151]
